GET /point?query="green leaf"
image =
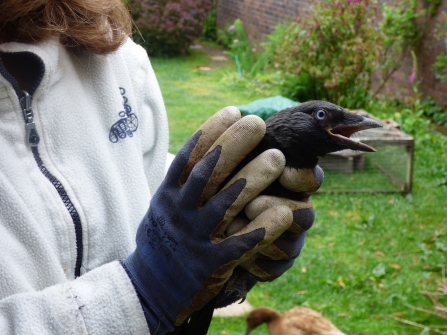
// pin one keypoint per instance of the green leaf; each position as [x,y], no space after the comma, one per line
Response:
[379,271]
[441,246]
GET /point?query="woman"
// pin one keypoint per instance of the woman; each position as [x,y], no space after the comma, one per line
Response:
[84,137]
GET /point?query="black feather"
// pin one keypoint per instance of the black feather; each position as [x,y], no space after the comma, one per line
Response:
[303,138]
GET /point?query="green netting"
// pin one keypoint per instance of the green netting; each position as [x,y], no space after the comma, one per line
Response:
[264,108]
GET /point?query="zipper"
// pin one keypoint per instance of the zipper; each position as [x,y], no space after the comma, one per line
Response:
[32,139]
[68,205]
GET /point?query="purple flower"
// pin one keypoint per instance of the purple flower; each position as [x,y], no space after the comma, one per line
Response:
[235,41]
[412,75]
[231,28]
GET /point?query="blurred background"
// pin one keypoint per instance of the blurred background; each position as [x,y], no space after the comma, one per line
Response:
[374,261]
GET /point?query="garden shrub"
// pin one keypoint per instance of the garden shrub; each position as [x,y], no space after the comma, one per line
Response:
[338,46]
[235,31]
[209,31]
[434,112]
[440,66]
[168,27]
[240,48]
[401,35]
[301,88]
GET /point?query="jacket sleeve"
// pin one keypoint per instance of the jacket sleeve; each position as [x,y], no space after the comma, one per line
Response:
[102,301]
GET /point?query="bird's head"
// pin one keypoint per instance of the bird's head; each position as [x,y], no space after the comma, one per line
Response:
[318,127]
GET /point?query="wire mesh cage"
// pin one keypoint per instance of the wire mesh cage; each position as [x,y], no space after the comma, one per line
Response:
[389,170]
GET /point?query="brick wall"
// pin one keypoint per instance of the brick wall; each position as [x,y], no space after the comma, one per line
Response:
[260,17]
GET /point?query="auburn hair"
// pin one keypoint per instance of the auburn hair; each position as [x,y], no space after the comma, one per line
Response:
[98,26]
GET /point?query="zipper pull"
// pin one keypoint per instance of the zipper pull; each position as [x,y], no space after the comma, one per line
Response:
[32,137]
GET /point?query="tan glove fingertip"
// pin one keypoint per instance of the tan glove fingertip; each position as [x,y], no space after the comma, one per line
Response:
[263,202]
[236,142]
[238,223]
[275,221]
[211,130]
[301,180]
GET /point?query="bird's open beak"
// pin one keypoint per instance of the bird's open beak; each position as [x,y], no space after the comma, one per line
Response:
[341,134]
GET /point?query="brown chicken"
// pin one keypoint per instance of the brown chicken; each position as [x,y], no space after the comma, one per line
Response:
[296,321]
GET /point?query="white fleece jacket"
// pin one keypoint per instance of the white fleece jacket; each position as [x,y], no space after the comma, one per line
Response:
[82,106]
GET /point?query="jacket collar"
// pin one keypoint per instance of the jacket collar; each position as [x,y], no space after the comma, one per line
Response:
[48,52]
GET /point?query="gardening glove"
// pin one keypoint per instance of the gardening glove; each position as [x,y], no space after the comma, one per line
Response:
[183,258]
[279,256]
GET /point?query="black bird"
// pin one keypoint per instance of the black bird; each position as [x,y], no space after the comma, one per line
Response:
[304,134]
[311,130]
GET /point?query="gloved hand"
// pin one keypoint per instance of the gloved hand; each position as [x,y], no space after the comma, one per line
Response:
[183,257]
[279,256]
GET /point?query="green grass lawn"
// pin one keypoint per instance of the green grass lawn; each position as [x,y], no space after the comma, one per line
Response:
[192,95]
[367,257]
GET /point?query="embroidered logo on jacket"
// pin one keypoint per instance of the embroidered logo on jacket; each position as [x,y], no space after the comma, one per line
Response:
[127,125]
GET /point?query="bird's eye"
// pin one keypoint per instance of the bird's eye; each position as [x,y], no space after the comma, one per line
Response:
[321,114]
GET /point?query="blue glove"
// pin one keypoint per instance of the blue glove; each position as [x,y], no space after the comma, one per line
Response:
[279,256]
[183,258]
